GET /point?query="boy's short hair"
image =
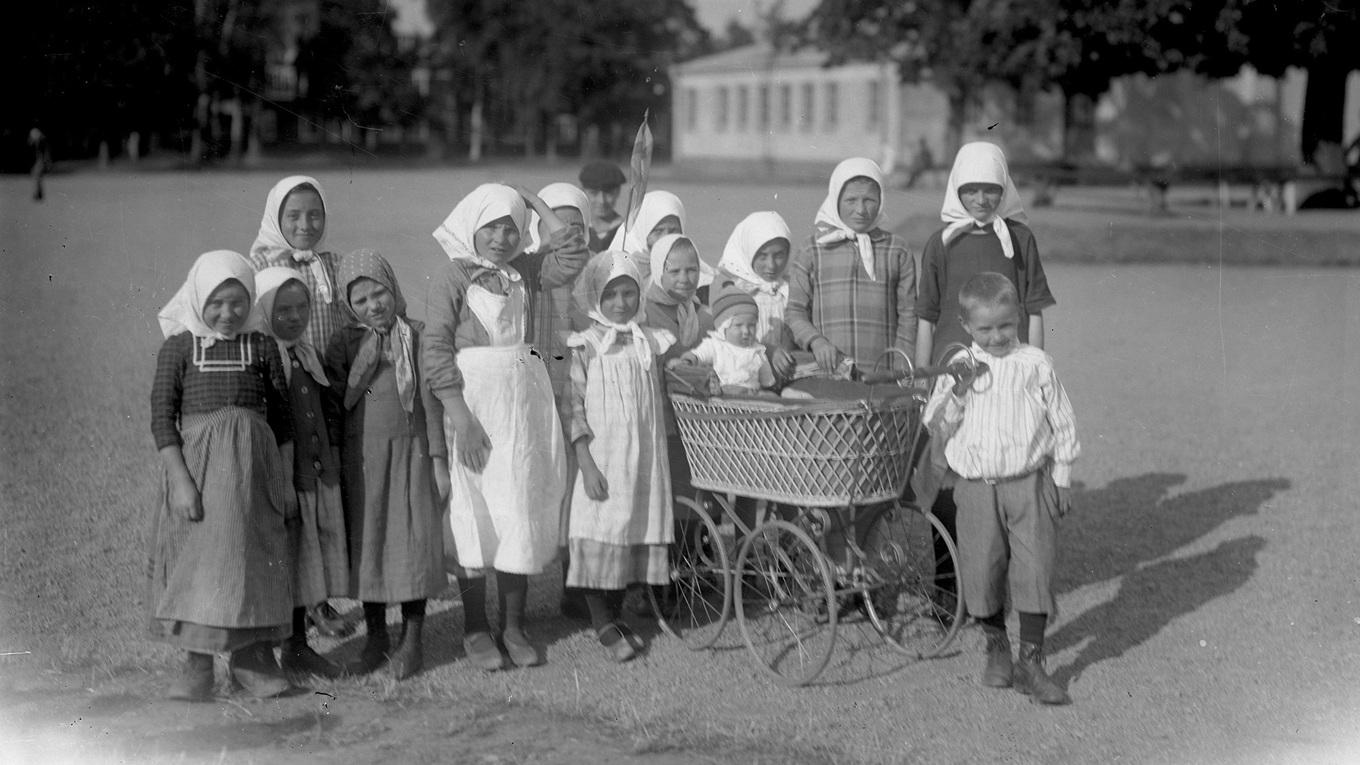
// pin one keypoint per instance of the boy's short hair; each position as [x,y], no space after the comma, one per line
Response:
[987,288]
[602,176]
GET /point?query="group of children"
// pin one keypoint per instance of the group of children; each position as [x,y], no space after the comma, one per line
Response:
[317,443]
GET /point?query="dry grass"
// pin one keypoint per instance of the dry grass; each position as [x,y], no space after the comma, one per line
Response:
[1207,585]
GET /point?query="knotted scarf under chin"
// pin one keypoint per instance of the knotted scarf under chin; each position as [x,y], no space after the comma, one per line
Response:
[395,345]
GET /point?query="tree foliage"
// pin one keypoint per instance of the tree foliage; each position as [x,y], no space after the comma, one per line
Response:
[603,61]
[1081,46]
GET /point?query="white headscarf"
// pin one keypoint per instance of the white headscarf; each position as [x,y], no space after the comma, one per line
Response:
[486,203]
[686,311]
[185,309]
[556,195]
[268,282]
[271,245]
[602,269]
[981,162]
[655,207]
[755,231]
[830,226]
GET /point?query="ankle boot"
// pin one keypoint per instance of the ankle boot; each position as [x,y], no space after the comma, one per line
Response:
[195,681]
[1031,679]
[376,645]
[257,671]
[998,670]
[409,657]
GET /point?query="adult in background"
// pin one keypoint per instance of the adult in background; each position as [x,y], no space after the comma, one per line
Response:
[602,181]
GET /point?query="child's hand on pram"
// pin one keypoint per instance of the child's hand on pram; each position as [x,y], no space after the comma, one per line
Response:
[964,375]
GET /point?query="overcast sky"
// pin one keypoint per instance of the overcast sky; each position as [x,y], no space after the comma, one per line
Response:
[712,13]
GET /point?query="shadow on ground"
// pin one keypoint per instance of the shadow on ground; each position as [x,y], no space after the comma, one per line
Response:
[1135,520]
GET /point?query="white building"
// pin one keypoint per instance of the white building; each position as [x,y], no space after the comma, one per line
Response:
[754,107]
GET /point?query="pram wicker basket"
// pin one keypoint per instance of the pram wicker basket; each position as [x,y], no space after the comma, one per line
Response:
[813,454]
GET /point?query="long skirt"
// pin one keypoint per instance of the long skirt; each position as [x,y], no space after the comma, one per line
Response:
[321,559]
[224,582]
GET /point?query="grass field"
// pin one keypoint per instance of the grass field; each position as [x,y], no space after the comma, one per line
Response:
[1209,592]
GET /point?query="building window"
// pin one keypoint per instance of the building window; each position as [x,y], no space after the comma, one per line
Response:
[875,105]
[724,96]
[785,107]
[809,107]
[743,108]
[763,116]
[832,106]
[691,109]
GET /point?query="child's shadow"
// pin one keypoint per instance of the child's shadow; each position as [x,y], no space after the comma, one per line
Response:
[1132,520]
[1149,598]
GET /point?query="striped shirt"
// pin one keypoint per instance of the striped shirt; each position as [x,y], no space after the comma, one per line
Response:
[1014,419]
[831,296]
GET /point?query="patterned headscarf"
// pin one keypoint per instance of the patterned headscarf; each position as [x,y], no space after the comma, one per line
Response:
[268,282]
[602,269]
[396,344]
[981,162]
[209,271]
[755,231]
[484,204]
[271,244]
[556,195]
[830,226]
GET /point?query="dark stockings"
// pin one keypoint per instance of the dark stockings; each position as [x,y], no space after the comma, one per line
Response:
[512,591]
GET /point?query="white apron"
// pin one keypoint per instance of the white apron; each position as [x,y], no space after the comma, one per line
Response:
[508,517]
[623,409]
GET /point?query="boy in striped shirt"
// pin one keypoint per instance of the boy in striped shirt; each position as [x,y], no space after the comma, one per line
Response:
[1010,438]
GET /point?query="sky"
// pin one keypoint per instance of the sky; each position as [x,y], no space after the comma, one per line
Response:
[713,14]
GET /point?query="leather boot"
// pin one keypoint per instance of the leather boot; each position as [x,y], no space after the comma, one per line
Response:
[998,670]
[257,671]
[195,681]
[298,658]
[1031,679]
[409,657]
[376,645]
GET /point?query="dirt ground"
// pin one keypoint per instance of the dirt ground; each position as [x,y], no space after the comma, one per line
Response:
[54,718]
[1208,593]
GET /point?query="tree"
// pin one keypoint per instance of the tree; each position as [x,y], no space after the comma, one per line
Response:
[515,66]
[1317,35]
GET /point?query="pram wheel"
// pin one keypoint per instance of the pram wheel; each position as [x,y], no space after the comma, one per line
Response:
[786,605]
[910,571]
[700,580]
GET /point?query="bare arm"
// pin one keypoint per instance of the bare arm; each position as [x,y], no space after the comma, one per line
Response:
[1036,330]
[925,341]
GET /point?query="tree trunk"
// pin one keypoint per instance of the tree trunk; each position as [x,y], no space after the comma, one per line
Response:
[1079,127]
[475,128]
[958,116]
[1324,109]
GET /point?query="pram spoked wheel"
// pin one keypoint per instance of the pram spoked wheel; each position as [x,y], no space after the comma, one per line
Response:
[786,604]
[910,569]
[700,582]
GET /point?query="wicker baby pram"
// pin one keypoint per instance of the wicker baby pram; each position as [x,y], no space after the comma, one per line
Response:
[813,454]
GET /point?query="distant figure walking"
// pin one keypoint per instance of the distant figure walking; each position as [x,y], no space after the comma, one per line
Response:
[42,160]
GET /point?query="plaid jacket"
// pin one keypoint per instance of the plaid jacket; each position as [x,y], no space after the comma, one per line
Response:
[831,296]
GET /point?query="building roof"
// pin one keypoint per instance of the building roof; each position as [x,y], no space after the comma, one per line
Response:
[754,57]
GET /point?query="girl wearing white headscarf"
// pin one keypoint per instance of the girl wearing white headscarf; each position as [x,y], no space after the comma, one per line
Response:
[320,555]
[852,286]
[984,231]
[501,424]
[553,320]
[763,234]
[620,520]
[290,237]
[220,557]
